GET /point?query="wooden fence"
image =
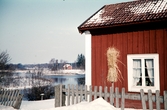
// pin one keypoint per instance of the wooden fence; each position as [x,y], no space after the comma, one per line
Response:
[75,94]
[10,98]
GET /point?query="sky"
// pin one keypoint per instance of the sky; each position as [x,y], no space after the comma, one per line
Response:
[35,31]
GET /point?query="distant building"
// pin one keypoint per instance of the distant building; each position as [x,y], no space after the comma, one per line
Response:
[67,67]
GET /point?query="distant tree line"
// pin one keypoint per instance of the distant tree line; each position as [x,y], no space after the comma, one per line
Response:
[79,64]
[53,64]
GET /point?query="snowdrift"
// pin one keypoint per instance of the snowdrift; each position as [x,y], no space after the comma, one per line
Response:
[97,104]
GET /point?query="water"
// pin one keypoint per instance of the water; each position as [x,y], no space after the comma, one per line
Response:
[65,79]
[76,79]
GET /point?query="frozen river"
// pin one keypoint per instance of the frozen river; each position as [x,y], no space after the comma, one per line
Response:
[65,77]
[75,79]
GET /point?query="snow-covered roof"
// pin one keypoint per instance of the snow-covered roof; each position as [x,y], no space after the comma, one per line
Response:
[126,12]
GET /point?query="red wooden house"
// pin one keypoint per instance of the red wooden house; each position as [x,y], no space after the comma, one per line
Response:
[67,67]
[138,29]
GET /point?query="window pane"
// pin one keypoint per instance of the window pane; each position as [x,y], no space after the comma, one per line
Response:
[137,76]
[149,82]
[149,72]
[136,63]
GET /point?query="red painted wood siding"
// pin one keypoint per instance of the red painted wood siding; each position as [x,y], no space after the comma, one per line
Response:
[138,42]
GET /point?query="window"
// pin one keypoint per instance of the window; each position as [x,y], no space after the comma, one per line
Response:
[143,72]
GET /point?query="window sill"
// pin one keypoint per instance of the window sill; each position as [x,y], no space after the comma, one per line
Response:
[137,89]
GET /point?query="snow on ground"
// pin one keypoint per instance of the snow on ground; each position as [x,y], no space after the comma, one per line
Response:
[64,72]
[49,72]
[98,104]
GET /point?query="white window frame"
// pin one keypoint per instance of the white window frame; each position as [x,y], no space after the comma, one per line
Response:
[131,87]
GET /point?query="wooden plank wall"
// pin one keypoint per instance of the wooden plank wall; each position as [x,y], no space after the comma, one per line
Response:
[138,42]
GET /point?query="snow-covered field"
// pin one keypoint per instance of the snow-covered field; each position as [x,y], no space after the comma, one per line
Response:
[98,104]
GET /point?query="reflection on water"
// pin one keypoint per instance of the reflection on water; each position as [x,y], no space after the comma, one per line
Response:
[73,79]
[67,79]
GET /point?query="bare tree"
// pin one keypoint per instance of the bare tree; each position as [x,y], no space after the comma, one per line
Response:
[4,59]
[62,63]
[5,72]
[53,64]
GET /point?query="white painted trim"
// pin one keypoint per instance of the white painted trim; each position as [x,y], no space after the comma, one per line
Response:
[130,58]
[88,63]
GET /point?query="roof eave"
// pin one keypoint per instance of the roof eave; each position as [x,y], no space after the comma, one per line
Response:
[82,30]
[79,27]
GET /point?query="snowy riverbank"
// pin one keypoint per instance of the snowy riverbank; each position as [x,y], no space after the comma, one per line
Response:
[58,72]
